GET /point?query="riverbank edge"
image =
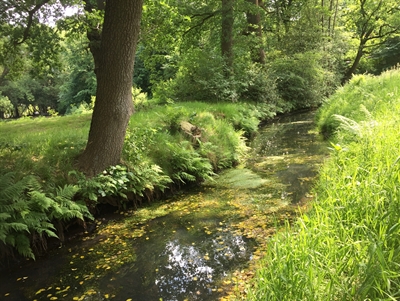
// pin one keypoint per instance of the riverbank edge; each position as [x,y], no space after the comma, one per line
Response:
[346,246]
[237,121]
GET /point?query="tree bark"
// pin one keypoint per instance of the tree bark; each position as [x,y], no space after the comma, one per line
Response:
[227,32]
[353,67]
[113,106]
[254,27]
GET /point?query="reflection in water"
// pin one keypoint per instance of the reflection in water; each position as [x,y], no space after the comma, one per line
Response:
[191,271]
[177,262]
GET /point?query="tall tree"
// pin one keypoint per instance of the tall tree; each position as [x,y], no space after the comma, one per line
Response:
[372,22]
[227,32]
[114,72]
[114,62]
[255,29]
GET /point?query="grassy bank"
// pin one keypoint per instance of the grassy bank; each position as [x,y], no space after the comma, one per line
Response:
[166,147]
[347,246]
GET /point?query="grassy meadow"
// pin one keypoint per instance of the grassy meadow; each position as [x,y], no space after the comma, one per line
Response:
[347,247]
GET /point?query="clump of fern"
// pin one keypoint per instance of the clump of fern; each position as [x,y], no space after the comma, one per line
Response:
[27,214]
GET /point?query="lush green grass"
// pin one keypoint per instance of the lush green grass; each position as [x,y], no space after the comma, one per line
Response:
[44,147]
[348,246]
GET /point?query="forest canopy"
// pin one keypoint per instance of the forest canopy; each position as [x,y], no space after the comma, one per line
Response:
[285,52]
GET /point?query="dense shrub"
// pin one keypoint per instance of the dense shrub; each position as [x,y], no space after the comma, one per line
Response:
[203,76]
[302,81]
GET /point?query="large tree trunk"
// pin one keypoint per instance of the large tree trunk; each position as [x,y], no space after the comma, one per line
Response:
[227,33]
[114,72]
[254,27]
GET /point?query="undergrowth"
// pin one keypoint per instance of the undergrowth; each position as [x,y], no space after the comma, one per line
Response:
[348,246]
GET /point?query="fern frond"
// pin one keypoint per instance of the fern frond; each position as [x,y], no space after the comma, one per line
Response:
[348,125]
[22,245]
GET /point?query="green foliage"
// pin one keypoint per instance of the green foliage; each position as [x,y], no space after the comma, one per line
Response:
[6,106]
[172,117]
[358,100]
[29,94]
[186,165]
[79,80]
[370,24]
[140,99]
[346,247]
[302,81]
[220,143]
[117,183]
[387,55]
[201,77]
[27,212]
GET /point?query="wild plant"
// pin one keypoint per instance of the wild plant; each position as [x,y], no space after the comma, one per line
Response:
[119,185]
[28,215]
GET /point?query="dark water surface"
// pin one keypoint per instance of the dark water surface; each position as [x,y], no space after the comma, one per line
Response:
[190,247]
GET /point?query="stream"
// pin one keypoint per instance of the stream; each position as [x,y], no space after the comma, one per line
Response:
[198,245]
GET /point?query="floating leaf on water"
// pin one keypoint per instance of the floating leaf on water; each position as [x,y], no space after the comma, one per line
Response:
[40,291]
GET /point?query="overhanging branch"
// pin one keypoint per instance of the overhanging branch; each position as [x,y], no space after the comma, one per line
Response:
[29,23]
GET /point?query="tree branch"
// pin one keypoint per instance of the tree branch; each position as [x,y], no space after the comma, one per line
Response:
[202,21]
[31,14]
